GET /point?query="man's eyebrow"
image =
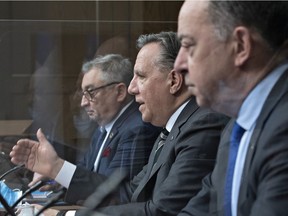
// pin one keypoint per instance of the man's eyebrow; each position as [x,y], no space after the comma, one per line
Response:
[137,72]
[85,88]
[181,37]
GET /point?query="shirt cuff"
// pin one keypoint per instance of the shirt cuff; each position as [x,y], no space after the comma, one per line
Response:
[70,213]
[65,174]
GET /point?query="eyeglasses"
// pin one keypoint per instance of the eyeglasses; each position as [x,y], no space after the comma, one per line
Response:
[90,93]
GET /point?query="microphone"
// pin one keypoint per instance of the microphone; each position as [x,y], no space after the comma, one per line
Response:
[103,191]
[6,206]
[11,170]
[52,201]
[27,192]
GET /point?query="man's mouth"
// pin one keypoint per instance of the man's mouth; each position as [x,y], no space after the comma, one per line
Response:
[89,112]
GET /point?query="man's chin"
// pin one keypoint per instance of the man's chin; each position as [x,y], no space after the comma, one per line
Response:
[93,118]
[144,119]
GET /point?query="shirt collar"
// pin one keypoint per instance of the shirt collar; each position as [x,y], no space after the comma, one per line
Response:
[109,126]
[253,104]
[174,117]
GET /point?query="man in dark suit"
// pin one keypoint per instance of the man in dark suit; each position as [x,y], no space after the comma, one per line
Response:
[166,183]
[105,98]
[128,140]
[234,56]
[127,146]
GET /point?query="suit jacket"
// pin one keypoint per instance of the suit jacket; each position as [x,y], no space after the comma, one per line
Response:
[187,156]
[128,145]
[263,189]
[91,153]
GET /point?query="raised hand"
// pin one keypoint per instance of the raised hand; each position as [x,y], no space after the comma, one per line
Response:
[38,157]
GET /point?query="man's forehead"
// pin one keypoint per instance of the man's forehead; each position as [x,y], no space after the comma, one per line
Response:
[92,77]
[192,13]
[190,7]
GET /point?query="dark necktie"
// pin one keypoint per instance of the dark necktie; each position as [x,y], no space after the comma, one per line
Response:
[100,140]
[237,133]
[163,136]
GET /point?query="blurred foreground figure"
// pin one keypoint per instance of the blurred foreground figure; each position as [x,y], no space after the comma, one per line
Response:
[234,57]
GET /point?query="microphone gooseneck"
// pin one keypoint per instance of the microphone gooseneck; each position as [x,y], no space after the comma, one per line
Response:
[103,191]
[10,210]
[11,170]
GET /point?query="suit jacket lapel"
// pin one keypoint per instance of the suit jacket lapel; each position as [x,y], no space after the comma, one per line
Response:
[190,108]
[103,164]
[95,149]
[119,123]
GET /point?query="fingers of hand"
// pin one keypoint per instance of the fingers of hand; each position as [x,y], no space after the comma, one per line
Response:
[20,152]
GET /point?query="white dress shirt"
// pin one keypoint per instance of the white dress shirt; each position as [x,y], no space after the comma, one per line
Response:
[67,171]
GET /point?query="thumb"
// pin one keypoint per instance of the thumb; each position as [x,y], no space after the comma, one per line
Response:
[36,178]
[34,181]
[40,136]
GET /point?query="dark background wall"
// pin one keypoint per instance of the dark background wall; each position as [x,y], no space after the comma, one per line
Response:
[42,48]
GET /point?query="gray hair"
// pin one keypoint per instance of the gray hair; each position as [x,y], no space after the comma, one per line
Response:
[170,46]
[114,68]
[268,18]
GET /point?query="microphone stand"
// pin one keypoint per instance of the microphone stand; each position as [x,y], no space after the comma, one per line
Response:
[10,211]
[11,170]
[30,190]
[103,191]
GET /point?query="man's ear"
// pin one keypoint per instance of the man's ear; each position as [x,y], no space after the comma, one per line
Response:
[242,45]
[121,92]
[176,81]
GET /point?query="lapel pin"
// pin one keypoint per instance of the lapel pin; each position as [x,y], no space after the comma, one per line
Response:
[111,135]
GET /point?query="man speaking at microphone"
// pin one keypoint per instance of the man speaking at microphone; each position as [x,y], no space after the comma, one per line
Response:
[182,155]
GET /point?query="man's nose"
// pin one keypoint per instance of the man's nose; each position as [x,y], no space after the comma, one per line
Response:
[84,101]
[132,88]
[180,64]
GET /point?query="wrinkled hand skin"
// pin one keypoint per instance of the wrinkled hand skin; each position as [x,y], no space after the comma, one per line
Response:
[38,156]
